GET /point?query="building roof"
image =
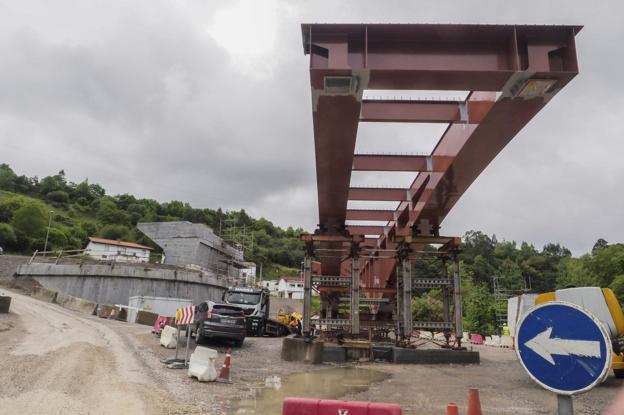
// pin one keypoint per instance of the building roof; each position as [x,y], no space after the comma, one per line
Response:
[117,243]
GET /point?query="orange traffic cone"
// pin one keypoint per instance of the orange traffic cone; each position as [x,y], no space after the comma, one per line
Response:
[474,403]
[224,375]
[452,409]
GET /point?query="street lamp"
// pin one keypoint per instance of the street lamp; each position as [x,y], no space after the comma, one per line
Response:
[45,246]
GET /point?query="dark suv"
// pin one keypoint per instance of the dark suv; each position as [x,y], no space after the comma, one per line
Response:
[219,321]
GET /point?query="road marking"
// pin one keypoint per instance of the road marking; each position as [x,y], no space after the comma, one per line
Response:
[546,346]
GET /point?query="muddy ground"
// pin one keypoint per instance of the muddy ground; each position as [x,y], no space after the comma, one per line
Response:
[56,361]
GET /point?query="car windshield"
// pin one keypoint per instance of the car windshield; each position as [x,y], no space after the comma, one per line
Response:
[242,298]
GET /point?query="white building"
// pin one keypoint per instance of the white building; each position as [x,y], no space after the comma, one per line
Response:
[120,251]
[271,285]
[290,288]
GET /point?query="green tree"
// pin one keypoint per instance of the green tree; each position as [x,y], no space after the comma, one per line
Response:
[478,304]
[7,178]
[427,308]
[108,213]
[575,272]
[607,263]
[31,219]
[53,183]
[617,285]
[58,196]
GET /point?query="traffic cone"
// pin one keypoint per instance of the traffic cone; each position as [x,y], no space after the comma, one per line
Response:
[224,375]
[452,409]
[474,403]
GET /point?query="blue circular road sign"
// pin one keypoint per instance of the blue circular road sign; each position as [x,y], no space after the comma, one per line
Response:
[563,347]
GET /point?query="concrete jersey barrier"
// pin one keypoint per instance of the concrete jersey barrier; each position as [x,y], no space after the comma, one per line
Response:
[76,304]
[146,318]
[43,294]
[202,364]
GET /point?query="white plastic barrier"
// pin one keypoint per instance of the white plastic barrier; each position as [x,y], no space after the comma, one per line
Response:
[169,337]
[202,364]
[426,334]
[466,336]
[506,341]
[439,336]
[496,341]
[487,341]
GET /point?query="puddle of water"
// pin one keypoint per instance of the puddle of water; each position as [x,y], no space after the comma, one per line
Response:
[323,384]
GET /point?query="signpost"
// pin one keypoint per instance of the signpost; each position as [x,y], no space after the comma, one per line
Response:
[184,317]
[564,349]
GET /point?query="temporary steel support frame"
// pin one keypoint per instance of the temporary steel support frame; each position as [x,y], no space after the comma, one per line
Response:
[511,71]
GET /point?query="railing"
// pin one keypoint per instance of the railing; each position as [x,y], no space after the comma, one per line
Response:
[57,255]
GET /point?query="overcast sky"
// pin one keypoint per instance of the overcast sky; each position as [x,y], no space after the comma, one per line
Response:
[209,102]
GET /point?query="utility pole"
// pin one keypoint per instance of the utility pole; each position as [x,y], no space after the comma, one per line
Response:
[45,246]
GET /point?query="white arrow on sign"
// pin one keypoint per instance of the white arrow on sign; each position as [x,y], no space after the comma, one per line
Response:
[545,346]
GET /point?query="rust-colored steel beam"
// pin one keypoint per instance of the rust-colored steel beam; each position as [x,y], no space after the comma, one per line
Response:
[365,229]
[413,111]
[370,214]
[378,194]
[391,162]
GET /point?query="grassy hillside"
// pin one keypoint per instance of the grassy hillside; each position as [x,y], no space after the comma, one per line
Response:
[80,210]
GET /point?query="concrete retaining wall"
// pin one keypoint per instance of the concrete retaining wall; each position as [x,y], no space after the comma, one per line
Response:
[106,284]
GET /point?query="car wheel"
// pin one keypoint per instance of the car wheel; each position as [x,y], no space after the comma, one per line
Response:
[260,331]
[619,373]
[199,339]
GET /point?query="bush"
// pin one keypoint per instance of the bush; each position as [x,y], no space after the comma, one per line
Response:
[58,196]
[57,239]
[114,232]
[7,236]
[618,287]
[31,219]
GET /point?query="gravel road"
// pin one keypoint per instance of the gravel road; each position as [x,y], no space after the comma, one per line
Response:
[56,361]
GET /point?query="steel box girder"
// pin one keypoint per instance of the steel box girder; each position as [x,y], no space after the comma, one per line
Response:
[439,57]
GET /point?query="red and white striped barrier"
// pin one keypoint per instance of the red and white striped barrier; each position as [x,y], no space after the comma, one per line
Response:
[185,315]
[306,406]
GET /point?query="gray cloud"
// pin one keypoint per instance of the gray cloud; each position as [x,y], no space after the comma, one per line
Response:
[144,98]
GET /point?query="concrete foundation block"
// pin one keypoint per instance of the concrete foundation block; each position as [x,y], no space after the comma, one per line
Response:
[382,352]
[76,304]
[146,318]
[121,314]
[44,294]
[434,356]
[169,337]
[298,350]
[5,303]
[202,364]
[334,353]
